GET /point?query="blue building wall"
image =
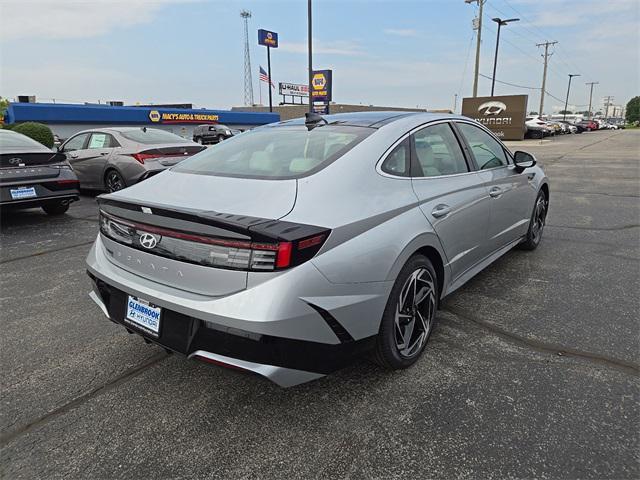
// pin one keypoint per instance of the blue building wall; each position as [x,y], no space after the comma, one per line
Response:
[56,113]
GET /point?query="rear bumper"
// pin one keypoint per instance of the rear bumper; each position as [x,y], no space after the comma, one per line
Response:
[44,194]
[284,361]
[296,320]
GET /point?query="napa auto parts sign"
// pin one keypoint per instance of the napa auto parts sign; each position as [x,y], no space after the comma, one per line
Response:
[321,85]
[181,117]
[293,89]
[504,115]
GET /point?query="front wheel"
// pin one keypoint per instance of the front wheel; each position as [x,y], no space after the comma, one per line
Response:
[537,222]
[409,316]
[57,208]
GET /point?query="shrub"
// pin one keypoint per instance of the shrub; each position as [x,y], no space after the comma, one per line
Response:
[633,110]
[39,132]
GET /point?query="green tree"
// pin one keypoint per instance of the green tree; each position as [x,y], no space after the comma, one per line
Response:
[563,112]
[38,131]
[633,110]
[4,104]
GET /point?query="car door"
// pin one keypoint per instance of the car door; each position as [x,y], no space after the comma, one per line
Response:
[74,150]
[452,195]
[99,149]
[512,193]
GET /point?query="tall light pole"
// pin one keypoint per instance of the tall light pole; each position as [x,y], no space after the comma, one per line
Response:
[566,103]
[248,79]
[591,95]
[477,69]
[309,24]
[500,23]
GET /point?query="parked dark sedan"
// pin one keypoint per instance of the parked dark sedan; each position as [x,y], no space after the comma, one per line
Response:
[114,158]
[32,175]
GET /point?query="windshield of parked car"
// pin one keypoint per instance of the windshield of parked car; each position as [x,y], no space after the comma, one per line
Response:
[10,139]
[276,152]
[153,136]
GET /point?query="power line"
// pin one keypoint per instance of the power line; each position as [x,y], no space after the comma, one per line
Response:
[507,83]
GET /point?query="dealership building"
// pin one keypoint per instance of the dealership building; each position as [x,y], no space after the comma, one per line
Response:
[68,119]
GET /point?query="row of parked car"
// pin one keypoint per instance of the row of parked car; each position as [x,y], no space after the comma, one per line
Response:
[104,159]
[538,127]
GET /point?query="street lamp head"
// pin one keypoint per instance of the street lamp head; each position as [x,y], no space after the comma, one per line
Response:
[501,22]
[574,75]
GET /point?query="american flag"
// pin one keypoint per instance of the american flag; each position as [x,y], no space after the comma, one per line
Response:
[265,78]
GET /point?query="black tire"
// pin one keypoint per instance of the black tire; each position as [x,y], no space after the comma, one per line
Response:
[113,181]
[387,352]
[56,208]
[537,222]
[220,138]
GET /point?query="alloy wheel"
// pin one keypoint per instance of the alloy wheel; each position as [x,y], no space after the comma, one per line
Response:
[114,181]
[539,217]
[415,313]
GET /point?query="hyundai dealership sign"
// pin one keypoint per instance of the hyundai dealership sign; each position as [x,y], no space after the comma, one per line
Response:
[504,115]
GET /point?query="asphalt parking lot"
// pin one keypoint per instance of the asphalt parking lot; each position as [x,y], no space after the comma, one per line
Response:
[532,371]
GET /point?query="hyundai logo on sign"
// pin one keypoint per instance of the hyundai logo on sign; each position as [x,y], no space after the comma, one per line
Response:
[492,108]
[149,240]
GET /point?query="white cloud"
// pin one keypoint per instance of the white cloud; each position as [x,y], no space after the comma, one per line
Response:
[340,47]
[401,32]
[78,19]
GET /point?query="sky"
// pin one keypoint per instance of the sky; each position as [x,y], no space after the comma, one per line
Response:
[410,53]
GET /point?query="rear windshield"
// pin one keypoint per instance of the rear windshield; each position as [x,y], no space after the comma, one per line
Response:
[10,139]
[276,152]
[153,136]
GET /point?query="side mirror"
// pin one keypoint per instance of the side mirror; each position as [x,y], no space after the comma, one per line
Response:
[523,160]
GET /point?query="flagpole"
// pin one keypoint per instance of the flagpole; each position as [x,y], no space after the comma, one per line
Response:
[260,83]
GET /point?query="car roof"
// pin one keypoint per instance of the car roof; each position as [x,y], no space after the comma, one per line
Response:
[373,119]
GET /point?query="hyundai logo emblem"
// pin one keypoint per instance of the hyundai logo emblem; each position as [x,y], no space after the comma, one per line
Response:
[16,161]
[149,240]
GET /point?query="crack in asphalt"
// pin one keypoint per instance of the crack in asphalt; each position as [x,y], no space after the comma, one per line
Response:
[44,252]
[77,401]
[545,347]
[603,229]
[573,192]
[572,152]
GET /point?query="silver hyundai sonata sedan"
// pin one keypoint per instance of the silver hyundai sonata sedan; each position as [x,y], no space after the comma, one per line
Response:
[294,248]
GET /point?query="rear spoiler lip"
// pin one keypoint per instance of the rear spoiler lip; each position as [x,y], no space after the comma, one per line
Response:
[208,222]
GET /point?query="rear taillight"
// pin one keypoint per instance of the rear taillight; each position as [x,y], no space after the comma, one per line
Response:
[141,157]
[212,251]
[68,182]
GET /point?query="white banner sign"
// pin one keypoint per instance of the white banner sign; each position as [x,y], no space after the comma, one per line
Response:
[294,89]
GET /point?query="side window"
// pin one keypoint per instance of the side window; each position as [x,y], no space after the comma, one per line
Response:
[397,162]
[438,152]
[486,150]
[101,140]
[76,143]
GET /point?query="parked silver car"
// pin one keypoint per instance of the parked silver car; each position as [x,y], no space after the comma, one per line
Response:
[112,158]
[32,175]
[291,249]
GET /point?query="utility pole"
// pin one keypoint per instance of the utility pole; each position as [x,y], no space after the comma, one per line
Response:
[546,56]
[309,41]
[591,95]
[607,104]
[566,103]
[479,39]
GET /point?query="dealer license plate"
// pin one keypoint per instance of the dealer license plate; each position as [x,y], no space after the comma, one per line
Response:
[23,192]
[144,315]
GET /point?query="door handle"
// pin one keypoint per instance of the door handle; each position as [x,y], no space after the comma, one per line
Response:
[73,156]
[495,192]
[441,210]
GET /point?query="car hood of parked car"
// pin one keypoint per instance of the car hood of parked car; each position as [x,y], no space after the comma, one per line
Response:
[272,199]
